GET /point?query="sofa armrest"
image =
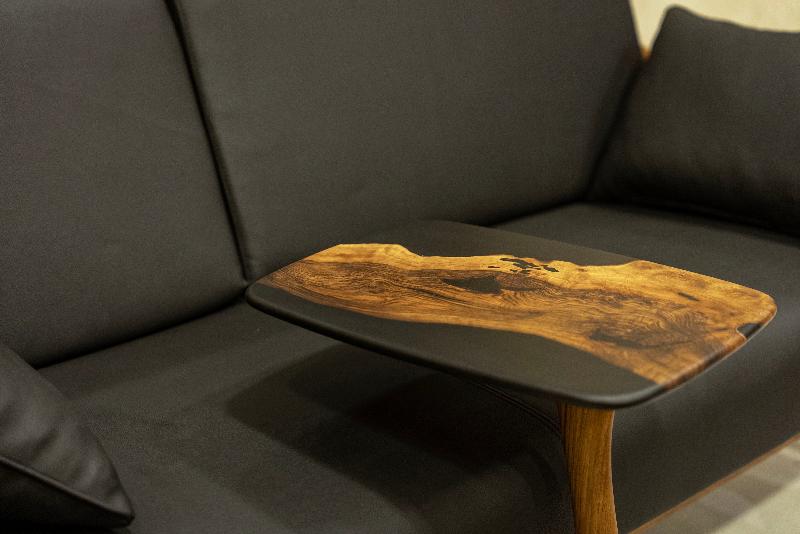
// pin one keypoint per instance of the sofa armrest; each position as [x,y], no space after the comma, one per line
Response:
[593,330]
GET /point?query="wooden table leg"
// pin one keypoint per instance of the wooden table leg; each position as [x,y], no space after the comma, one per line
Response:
[586,434]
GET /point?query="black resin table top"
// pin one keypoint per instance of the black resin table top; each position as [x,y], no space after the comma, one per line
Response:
[526,313]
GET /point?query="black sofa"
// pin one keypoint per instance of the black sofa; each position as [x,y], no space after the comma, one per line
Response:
[158,157]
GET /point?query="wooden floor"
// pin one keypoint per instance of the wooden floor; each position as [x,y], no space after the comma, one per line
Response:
[763,499]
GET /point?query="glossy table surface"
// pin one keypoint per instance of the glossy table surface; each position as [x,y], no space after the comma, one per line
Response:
[582,325]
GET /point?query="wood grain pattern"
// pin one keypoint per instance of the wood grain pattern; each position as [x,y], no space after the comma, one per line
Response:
[662,323]
[586,436]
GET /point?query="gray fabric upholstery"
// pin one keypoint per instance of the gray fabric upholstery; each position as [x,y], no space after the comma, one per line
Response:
[335,118]
[238,422]
[712,124]
[111,217]
[670,448]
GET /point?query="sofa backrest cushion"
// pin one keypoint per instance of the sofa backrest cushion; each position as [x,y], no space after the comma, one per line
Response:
[111,215]
[712,124]
[333,118]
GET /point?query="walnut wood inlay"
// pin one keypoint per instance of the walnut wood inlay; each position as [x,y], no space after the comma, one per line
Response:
[662,323]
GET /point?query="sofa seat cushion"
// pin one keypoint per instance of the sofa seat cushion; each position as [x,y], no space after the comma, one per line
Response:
[672,447]
[238,422]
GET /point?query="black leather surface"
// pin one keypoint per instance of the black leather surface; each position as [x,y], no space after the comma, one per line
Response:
[111,219]
[52,469]
[333,118]
[712,124]
[239,422]
[668,449]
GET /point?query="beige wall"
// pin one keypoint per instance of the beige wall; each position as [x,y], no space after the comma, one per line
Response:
[768,14]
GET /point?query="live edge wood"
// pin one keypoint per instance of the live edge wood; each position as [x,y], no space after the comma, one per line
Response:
[659,322]
[632,319]
[586,436]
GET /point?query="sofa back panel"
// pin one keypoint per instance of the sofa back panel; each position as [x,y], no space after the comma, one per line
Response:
[112,221]
[332,118]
